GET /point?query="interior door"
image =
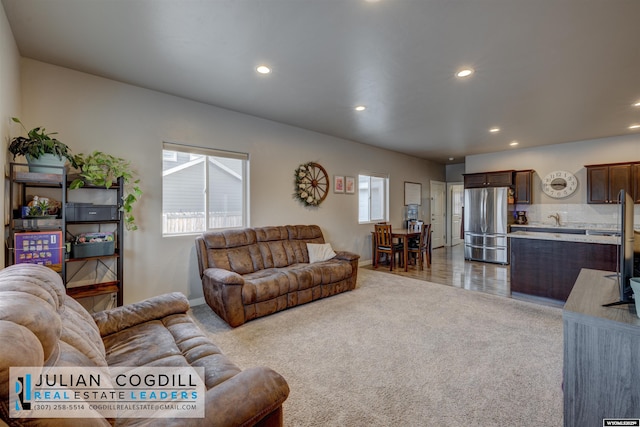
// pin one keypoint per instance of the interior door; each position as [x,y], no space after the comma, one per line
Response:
[456,201]
[438,214]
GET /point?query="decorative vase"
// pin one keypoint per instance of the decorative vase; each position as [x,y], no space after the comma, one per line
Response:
[46,163]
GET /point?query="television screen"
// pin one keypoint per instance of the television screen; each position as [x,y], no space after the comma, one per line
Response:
[625,250]
[626,245]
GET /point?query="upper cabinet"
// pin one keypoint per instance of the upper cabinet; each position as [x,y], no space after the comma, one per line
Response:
[518,181]
[635,174]
[604,182]
[489,179]
[522,186]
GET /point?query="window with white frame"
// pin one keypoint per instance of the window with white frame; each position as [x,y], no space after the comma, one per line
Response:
[373,204]
[202,189]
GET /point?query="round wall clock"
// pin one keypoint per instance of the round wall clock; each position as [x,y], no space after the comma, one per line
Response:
[559,184]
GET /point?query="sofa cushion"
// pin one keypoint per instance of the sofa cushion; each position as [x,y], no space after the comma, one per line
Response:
[23,348]
[264,285]
[80,332]
[245,259]
[172,341]
[34,314]
[324,272]
[119,318]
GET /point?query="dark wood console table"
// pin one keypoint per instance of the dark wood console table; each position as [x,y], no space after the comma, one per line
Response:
[601,353]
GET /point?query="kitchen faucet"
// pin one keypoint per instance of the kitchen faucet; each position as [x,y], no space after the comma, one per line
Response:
[556,217]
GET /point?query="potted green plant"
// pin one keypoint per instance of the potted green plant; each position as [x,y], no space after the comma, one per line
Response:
[103,170]
[41,150]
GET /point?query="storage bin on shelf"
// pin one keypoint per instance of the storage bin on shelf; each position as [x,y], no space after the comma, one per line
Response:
[93,244]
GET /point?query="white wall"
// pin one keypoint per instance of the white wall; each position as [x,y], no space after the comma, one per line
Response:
[571,157]
[9,96]
[95,113]
[454,172]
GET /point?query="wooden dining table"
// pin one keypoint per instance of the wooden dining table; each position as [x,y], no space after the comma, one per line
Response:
[402,234]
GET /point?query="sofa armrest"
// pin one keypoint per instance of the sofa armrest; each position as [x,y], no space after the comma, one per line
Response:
[126,316]
[222,276]
[223,293]
[242,400]
[347,256]
[246,398]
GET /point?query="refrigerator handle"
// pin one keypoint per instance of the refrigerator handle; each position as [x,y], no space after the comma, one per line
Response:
[483,210]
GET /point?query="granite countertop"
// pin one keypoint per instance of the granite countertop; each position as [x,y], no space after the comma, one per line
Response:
[572,225]
[566,237]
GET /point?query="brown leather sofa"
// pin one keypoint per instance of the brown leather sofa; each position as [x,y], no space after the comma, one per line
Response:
[41,326]
[253,272]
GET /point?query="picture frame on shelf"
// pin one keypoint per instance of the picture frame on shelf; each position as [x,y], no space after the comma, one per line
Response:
[350,185]
[39,247]
[338,183]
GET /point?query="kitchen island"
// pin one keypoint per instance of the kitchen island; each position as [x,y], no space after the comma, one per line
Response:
[546,265]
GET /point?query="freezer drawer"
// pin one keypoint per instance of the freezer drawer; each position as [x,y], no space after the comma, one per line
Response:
[498,255]
[492,240]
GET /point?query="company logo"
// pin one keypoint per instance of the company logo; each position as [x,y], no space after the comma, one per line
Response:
[123,392]
[23,390]
[621,422]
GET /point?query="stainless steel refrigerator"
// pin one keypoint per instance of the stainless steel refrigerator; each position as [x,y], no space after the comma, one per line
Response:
[486,224]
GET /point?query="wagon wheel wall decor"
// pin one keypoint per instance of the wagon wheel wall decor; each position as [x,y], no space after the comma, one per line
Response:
[312,184]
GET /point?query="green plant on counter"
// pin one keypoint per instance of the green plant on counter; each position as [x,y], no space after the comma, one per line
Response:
[103,170]
[38,143]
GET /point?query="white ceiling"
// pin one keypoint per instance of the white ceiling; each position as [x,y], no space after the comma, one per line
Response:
[546,71]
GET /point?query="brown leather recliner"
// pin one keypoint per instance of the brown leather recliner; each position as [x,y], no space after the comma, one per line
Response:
[41,326]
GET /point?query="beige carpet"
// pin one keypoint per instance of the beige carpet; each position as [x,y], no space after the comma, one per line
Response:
[403,352]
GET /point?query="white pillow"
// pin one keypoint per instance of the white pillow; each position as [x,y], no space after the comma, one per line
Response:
[320,252]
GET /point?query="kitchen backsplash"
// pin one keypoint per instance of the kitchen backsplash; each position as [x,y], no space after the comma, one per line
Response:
[578,215]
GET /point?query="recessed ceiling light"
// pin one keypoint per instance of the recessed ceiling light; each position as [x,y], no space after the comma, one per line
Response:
[513,143]
[634,127]
[360,108]
[494,130]
[637,104]
[263,69]
[465,72]
[450,158]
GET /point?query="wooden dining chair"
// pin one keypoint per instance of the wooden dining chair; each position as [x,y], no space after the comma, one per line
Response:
[421,249]
[385,245]
[414,227]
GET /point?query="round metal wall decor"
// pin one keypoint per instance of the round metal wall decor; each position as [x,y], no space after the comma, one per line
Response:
[312,184]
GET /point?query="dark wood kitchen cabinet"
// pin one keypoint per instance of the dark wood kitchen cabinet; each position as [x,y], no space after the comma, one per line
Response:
[522,186]
[604,182]
[549,268]
[489,179]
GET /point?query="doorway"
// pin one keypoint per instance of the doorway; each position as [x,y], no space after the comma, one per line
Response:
[438,214]
[455,201]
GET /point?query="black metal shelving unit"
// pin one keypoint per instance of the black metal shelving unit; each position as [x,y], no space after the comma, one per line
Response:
[55,254]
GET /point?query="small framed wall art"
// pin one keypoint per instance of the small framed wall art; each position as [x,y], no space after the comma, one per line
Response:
[412,193]
[338,184]
[350,185]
